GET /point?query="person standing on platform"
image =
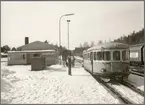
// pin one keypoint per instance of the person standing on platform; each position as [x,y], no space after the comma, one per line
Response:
[69,64]
[73,61]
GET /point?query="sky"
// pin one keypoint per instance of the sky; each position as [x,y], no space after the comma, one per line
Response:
[92,21]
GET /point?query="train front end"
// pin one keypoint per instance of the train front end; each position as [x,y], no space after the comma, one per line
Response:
[120,63]
[110,60]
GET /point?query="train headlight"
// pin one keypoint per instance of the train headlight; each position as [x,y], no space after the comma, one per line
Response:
[103,70]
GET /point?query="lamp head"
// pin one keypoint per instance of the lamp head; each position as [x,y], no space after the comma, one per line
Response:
[69,14]
[68,20]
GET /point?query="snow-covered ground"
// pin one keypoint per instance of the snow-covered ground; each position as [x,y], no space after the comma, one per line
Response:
[20,85]
[79,58]
[130,94]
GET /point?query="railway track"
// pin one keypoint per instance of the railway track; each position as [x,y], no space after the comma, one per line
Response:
[137,73]
[135,89]
[114,92]
[119,94]
[137,70]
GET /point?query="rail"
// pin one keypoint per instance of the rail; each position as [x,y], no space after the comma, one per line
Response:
[135,89]
[112,90]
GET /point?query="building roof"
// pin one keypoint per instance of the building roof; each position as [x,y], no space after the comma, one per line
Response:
[32,51]
[141,44]
[37,45]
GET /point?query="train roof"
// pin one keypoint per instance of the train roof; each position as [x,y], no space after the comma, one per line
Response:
[137,45]
[110,45]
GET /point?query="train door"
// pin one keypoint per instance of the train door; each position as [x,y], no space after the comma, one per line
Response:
[88,61]
[91,61]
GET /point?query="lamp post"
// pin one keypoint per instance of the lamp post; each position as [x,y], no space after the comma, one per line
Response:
[60,32]
[68,33]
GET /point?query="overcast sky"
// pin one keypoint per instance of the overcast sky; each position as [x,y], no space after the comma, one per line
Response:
[93,21]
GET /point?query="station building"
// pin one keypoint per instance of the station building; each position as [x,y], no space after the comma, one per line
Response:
[27,52]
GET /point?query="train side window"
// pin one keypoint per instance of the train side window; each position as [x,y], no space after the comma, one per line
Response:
[107,55]
[95,56]
[116,55]
[99,55]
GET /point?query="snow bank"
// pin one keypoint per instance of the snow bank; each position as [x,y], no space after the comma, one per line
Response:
[53,86]
[6,72]
[5,85]
[4,59]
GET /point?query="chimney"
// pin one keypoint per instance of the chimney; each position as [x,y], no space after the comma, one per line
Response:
[26,40]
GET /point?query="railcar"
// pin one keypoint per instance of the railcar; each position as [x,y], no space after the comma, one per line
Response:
[110,60]
[137,55]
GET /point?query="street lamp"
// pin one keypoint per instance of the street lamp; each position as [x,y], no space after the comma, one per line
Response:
[68,33]
[60,32]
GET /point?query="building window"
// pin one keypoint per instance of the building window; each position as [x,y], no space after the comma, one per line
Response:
[36,55]
[23,56]
[116,55]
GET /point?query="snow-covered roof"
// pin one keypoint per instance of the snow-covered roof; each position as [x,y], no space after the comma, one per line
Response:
[36,45]
[31,51]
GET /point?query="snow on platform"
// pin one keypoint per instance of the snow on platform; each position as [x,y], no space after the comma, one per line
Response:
[52,86]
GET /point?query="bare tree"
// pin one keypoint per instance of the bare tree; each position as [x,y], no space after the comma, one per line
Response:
[14,49]
[80,45]
[92,43]
[46,41]
[85,45]
[6,48]
[100,42]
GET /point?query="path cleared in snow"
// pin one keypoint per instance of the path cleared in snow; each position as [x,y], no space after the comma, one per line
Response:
[51,86]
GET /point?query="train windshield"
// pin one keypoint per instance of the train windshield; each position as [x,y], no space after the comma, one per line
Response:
[125,55]
[107,55]
[99,55]
[116,55]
